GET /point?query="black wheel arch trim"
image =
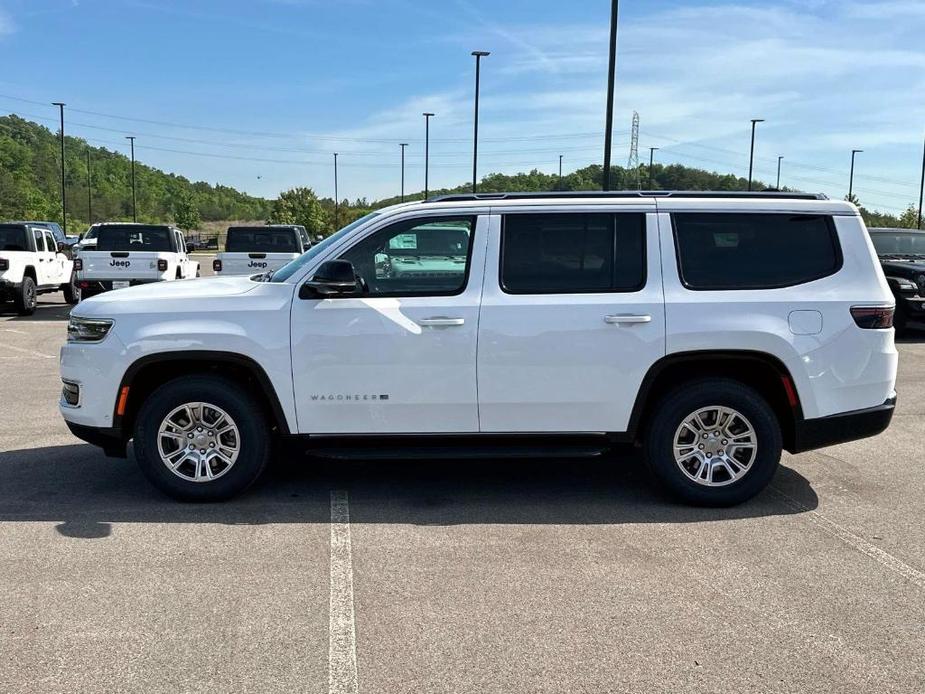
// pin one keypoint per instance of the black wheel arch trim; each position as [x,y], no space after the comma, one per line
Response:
[211,357]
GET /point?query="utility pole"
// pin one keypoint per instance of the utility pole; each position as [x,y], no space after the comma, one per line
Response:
[651,158]
[611,71]
[475,132]
[403,145]
[63,188]
[89,190]
[921,186]
[851,175]
[336,197]
[777,187]
[560,172]
[131,138]
[751,156]
[427,117]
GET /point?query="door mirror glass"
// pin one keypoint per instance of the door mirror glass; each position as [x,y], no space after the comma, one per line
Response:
[333,278]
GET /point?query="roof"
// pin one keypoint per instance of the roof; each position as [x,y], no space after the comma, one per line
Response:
[893,230]
[598,194]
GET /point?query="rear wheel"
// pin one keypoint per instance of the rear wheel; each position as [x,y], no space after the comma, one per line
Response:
[26,300]
[71,291]
[201,439]
[714,443]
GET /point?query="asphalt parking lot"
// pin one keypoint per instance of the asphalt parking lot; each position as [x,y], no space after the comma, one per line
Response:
[553,576]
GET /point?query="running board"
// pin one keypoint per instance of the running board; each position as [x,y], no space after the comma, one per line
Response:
[468,452]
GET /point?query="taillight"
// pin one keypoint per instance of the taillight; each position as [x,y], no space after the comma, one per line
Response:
[161,265]
[78,264]
[217,265]
[4,264]
[871,317]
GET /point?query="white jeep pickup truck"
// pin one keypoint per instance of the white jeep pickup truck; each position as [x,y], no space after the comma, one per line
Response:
[128,254]
[713,330]
[32,262]
[251,250]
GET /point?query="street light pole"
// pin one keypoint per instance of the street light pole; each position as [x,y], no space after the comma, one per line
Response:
[427,117]
[651,158]
[751,156]
[777,187]
[851,175]
[89,190]
[611,70]
[336,196]
[560,172]
[921,186]
[403,145]
[131,138]
[63,188]
[475,128]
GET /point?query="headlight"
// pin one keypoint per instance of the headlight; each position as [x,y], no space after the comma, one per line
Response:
[88,329]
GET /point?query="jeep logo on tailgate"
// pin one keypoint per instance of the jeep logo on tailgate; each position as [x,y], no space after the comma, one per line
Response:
[253,264]
[119,263]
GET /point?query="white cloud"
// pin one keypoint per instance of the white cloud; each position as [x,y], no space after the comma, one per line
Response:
[6,24]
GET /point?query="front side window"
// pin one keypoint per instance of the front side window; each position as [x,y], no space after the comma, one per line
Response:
[39,240]
[418,257]
[292,267]
[568,253]
[754,251]
[135,238]
[50,242]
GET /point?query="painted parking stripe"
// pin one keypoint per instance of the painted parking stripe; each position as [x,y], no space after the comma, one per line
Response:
[342,652]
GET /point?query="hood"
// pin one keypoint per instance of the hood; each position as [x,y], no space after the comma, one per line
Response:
[199,289]
[903,268]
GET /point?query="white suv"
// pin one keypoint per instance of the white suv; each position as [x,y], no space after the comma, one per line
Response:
[712,329]
[33,262]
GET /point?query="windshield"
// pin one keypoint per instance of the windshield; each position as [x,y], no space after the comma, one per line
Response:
[91,233]
[12,238]
[134,238]
[899,243]
[262,240]
[289,269]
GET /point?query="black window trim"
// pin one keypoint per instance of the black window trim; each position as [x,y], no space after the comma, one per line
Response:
[612,213]
[833,238]
[419,220]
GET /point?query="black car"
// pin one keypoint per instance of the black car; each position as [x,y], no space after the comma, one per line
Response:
[902,255]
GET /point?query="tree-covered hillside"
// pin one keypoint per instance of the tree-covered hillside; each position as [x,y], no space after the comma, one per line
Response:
[30,183]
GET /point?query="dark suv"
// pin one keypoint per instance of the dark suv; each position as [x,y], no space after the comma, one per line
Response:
[902,255]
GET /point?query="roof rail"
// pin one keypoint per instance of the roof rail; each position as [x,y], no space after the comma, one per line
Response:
[758,194]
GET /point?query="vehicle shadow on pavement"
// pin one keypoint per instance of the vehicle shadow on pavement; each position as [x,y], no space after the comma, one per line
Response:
[43,312]
[85,492]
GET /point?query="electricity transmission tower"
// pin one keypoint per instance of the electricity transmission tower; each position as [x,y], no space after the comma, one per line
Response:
[632,164]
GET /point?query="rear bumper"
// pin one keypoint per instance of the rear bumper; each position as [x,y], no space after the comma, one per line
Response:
[810,434]
[110,440]
[9,289]
[93,287]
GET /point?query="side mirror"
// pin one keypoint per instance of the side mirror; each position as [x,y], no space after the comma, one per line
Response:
[80,236]
[333,278]
[62,247]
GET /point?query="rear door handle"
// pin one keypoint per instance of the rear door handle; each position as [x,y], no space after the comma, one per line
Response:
[619,318]
[441,321]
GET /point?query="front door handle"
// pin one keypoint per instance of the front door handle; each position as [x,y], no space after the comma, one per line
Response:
[619,318]
[441,321]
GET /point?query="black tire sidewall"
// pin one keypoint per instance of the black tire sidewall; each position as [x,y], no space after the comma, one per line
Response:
[679,404]
[24,305]
[247,414]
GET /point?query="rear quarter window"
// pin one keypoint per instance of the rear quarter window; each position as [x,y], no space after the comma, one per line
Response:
[754,251]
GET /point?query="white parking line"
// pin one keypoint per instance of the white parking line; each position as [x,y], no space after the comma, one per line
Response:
[342,650]
[856,541]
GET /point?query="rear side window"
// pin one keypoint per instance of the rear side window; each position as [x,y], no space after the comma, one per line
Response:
[262,240]
[569,253]
[135,238]
[754,251]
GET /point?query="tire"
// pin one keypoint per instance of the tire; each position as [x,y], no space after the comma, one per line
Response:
[250,426]
[753,468]
[27,298]
[71,291]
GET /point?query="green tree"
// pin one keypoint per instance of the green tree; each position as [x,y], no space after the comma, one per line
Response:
[910,218]
[300,206]
[186,214]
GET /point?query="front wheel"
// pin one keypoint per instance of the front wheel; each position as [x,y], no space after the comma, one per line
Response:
[714,443]
[201,438]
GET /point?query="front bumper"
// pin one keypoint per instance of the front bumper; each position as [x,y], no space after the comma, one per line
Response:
[810,434]
[110,440]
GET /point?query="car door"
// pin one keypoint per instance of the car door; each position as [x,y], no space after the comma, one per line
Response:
[44,272]
[399,359]
[572,318]
[57,261]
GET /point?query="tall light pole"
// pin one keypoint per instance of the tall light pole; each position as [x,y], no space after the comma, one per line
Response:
[427,117]
[403,145]
[475,125]
[63,189]
[851,175]
[651,158]
[131,138]
[751,156]
[611,70]
[336,197]
[89,190]
[921,186]
[560,172]
[777,187]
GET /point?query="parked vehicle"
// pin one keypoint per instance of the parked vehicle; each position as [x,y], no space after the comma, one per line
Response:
[713,330]
[32,262]
[87,240]
[56,231]
[902,255]
[250,250]
[127,254]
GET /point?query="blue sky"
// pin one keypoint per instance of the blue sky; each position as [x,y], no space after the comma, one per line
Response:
[287,82]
